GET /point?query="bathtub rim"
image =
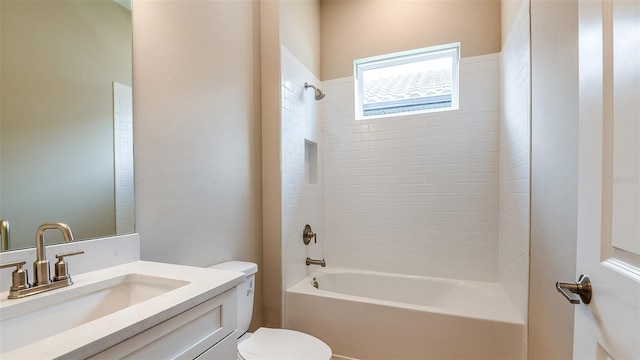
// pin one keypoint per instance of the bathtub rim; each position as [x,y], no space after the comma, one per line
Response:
[305,287]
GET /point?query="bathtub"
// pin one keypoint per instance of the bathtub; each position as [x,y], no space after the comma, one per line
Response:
[370,315]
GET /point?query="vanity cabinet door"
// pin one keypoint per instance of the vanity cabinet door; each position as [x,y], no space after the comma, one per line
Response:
[224,350]
[184,336]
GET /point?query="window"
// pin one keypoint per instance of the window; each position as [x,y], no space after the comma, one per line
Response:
[410,82]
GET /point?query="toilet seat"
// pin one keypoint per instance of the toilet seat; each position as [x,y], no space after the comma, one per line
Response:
[283,344]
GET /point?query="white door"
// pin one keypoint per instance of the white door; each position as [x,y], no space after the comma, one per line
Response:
[609,167]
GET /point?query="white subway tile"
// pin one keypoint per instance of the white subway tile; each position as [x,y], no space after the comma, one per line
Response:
[421,182]
[514,166]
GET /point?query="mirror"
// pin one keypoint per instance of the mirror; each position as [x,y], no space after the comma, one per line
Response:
[66,140]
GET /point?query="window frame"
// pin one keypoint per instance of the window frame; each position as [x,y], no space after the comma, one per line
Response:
[451,50]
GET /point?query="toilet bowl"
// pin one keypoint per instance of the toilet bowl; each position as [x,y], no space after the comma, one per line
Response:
[267,343]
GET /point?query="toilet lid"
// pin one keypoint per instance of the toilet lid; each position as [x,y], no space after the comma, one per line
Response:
[283,344]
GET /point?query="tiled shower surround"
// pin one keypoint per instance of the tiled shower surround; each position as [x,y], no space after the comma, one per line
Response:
[416,194]
[515,140]
[301,198]
[441,194]
[123,157]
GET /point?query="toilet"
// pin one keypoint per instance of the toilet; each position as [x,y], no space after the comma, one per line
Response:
[267,343]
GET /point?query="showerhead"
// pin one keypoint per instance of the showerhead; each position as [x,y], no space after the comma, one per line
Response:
[319,94]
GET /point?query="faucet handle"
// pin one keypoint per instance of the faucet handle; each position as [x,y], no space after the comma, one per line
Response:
[60,266]
[17,264]
[308,234]
[19,277]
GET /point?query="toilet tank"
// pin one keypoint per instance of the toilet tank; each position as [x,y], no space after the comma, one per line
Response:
[245,291]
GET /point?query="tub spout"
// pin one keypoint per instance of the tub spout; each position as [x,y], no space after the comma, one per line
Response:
[311,261]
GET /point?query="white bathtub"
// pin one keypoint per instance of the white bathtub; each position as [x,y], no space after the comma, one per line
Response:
[369,315]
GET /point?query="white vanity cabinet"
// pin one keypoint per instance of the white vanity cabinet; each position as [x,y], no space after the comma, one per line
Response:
[206,331]
[137,310]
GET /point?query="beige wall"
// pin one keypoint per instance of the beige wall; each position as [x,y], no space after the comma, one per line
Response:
[271,179]
[554,175]
[353,29]
[300,31]
[197,132]
[59,59]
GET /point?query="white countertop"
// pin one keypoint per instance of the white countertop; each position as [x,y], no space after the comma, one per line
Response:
[92,337]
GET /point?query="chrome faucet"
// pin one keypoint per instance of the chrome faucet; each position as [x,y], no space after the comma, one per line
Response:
[311,261]
[41,265]
[4,235]
[42,282]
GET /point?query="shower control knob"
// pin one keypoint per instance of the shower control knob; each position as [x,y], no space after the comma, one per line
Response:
[308,234]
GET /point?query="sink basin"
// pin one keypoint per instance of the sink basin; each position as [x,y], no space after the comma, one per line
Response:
[104,308]
[24,323]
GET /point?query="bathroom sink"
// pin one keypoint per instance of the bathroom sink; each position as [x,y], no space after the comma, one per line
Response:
[29,321]
[103,308]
